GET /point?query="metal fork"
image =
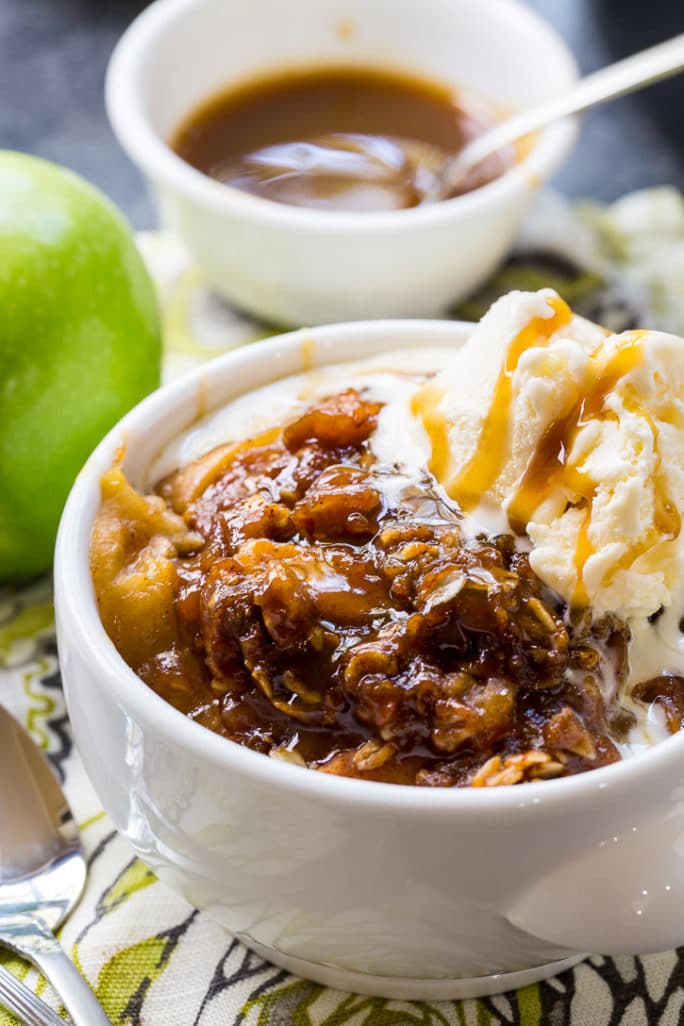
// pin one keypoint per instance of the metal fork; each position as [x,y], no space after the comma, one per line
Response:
[42,869]
[16,996]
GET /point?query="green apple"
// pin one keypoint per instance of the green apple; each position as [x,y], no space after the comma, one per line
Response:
[79,345]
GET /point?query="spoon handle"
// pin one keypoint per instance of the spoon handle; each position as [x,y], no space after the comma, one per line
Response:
[618,79]
[26,1005]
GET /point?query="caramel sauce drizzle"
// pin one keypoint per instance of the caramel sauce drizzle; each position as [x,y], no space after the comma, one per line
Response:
[667,521]
[583,550]
[425,404]
[549,468]
[487,462]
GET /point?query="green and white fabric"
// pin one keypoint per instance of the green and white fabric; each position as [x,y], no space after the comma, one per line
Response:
[152,959]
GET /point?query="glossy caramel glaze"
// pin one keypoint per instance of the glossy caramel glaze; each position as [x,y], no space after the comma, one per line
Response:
[296,597]
[667,692]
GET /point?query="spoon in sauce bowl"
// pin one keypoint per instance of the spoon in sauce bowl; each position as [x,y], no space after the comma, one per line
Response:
[625,76]
[368,141]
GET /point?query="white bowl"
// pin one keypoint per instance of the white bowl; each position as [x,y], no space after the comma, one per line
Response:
[379,888]
[297,266]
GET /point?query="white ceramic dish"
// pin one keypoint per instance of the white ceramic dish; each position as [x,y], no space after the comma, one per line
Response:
[296,266]
[378,888]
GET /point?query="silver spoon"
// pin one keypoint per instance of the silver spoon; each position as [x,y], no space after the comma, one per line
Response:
[642,69]
[42,869]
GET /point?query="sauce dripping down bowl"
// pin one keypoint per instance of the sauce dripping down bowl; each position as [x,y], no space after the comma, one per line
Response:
[296,264]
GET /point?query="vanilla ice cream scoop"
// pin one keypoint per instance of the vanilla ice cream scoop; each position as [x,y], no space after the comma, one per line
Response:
[578,437]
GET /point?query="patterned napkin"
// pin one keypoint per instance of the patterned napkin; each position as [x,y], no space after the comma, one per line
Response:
[152,959]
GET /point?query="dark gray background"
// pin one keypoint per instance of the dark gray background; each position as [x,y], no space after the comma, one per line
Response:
[53,55]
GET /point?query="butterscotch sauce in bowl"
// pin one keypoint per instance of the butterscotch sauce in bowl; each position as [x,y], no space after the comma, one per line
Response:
[325,137]
[351,139]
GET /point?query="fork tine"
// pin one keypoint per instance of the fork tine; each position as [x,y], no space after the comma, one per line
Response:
[23,1002]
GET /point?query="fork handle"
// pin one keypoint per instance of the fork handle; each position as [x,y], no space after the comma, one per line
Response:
[76,995]
[23,1003]
[36,942]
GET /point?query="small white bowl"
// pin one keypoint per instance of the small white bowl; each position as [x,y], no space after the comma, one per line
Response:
[385,889]
[293,265]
